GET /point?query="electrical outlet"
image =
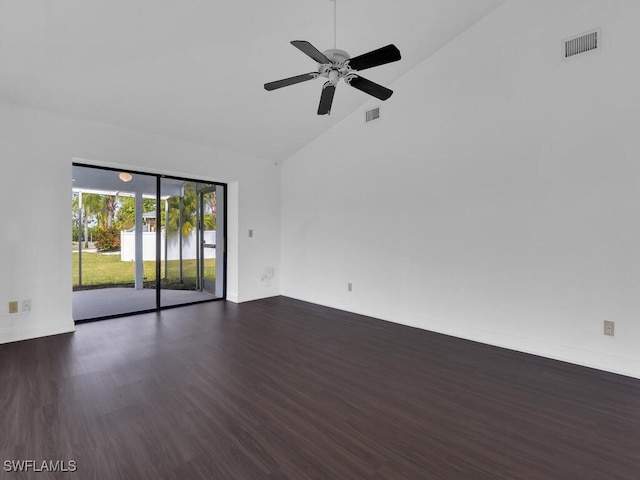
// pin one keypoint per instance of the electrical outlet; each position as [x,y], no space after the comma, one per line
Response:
[26,305]
[13,307]
[349,287]
[609,328]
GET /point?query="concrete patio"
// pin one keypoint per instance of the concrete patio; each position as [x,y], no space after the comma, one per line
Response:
[104,302]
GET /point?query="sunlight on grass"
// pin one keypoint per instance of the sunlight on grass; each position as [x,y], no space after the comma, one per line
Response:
[104,270]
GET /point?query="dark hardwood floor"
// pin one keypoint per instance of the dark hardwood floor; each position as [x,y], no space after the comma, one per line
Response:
[281,389]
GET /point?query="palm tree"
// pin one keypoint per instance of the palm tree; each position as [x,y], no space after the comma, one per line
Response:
[210,217]
[91,205]
[108,208]
[125,216]
[183,215]
[75,213]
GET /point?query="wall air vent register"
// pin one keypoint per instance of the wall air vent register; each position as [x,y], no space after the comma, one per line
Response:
[372,114]
[580,44]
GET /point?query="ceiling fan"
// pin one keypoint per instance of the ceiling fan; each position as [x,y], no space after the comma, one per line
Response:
[335,64]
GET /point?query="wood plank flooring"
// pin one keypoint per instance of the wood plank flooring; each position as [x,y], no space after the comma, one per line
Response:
[282,389]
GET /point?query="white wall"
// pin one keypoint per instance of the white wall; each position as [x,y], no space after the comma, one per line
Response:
[37,150]
[189,246]
[497,198]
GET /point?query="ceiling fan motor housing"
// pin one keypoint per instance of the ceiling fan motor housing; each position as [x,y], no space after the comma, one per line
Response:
[338,68]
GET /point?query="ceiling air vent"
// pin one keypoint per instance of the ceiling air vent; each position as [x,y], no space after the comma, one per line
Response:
[372,114]
[582,43]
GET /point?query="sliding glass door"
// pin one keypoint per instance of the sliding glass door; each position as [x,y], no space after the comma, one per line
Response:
[194,257]
[142,242]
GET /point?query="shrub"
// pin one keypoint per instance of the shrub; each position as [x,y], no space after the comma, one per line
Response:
[107,238]
[74,233]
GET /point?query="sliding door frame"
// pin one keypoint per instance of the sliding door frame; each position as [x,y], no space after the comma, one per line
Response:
[158,239]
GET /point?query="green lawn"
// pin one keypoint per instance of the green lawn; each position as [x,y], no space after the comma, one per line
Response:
[103,270]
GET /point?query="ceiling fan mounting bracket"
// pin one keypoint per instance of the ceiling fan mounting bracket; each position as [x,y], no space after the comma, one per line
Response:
[337,56]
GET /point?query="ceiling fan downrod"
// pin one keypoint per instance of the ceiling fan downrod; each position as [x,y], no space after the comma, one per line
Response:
[335,22]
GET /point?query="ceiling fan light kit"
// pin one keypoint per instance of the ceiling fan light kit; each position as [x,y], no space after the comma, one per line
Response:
[335,64]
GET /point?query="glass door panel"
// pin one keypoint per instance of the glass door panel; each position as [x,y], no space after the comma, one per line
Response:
[207,224]
[113,242]
[189,237]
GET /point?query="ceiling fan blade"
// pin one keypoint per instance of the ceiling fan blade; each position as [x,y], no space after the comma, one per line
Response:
[326,99]
[383,55]
[310,50]
[285,82]
[372,88]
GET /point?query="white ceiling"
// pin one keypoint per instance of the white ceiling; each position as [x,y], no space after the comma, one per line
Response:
[195,69]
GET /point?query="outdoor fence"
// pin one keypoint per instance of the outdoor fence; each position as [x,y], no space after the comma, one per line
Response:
[189,245]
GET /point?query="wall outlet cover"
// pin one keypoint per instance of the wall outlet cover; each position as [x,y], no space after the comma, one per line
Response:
[609,328]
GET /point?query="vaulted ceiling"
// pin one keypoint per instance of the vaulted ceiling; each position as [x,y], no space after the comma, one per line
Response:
[195,69]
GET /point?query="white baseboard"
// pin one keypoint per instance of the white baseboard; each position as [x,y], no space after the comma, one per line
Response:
[27,332]
[232,297]
[626,366]
[257,296]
